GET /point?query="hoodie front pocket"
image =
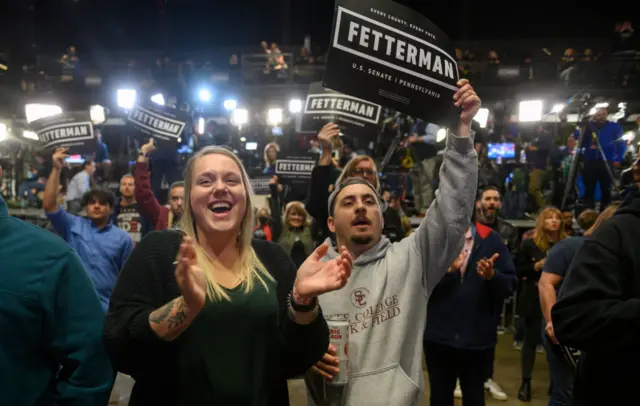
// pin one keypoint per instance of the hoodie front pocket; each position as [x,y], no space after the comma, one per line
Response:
[385,387]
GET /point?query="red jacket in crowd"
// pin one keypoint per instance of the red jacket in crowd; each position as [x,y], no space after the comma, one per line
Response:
[149,207]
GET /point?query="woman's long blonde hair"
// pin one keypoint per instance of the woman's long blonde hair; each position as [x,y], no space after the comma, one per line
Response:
[540,237]
[250,267]
[270,145]
[347,172]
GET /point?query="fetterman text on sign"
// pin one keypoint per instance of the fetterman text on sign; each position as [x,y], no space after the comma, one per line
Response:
[294,169]
[163,123]
[350,113]
[72,130]
[388,54]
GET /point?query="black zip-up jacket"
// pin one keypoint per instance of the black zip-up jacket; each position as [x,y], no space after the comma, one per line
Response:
[598,310]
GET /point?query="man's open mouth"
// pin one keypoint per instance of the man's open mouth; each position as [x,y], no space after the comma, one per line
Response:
[220,207]
[361,222]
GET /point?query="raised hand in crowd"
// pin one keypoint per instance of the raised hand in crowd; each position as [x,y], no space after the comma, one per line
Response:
[58,157]
[485,267]
[466,98]
[316,277]
[146,150]
[274,181]
[327,134]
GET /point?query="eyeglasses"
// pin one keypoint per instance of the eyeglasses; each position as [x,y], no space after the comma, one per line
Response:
[363,172]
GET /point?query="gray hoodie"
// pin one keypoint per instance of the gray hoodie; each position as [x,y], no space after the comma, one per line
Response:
[386,295]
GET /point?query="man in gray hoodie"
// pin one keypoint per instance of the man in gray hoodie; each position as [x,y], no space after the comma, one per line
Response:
[386,296]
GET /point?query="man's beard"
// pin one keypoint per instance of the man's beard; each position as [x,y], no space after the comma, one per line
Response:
[488,217]
[362,240]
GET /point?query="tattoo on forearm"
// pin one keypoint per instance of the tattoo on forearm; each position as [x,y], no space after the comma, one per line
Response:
[178,319]
[162,313]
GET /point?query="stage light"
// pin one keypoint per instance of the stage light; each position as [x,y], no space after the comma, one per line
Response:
[482,116]
[205,95]
[557,108]
[240,117]
[242,139]
[628,136]
[274,116]
[126,98]
[200,127]
[295,106]
[158,98]
[98,114]
[35,111]
[441,135]
[4,132]
[30,135]
[230,104]
[530,111]
[601,105]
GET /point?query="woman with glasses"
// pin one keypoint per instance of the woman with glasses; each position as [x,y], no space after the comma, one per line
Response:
[205,315]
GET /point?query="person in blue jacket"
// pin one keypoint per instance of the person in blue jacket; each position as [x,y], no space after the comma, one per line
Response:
[462,316]
[51,348]
[594,171]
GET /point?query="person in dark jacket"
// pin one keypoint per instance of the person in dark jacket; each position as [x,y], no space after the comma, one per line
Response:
[325,176]
[555,270]
[205,316]
[609,135]
[462,315]
[487,212]
[51,321]
[293,233]
[598,311]
[530,262]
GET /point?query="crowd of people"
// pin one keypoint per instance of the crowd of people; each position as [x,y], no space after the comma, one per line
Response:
[221,302]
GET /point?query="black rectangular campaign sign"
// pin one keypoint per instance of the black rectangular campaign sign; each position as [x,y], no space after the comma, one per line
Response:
[260,186]
[353,115]
[388,54]
[73,130]
[292,168]
[161,122]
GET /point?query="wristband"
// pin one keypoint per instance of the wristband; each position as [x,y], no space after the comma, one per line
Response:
[297,303]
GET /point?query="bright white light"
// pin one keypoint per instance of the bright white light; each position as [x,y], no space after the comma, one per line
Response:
[126,98]
[205,95]
[482,116]
[30,135]
[4,132]
[230,104]
[98,114]
[557,108]
[295,106]
[628,136]
[274,116]
[441,135]
[240,117]
[601,105]
[35,111]
[530,111]
[593,111]
[158,98]
[622,105]
[200,128]
[242,139]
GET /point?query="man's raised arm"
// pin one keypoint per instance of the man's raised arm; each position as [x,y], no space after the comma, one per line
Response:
[440,236]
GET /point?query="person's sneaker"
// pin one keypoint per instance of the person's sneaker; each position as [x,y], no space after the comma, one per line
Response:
[457,392]
[517,345]
[540,349]
[495,390]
